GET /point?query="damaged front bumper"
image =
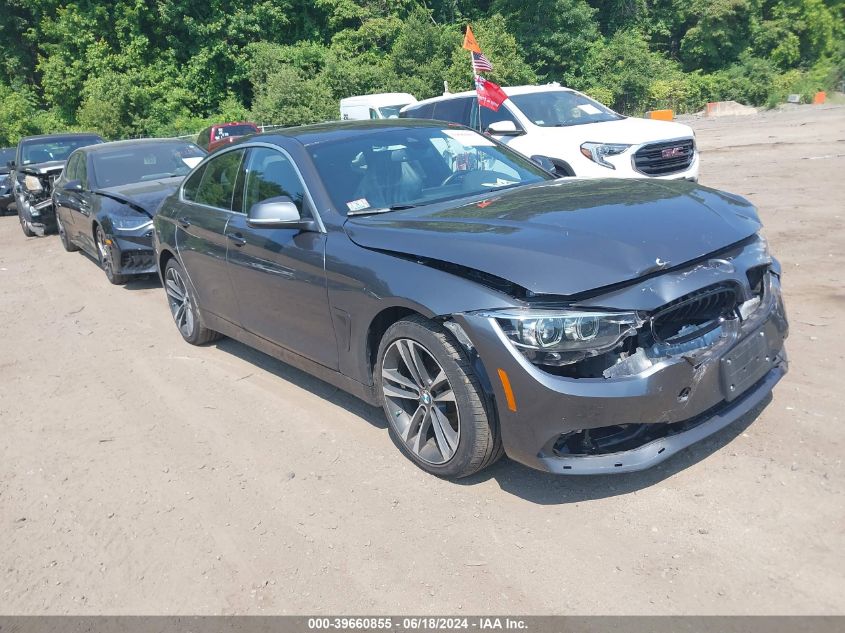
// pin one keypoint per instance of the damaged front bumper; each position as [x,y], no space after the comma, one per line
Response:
[133,254]
[631,421]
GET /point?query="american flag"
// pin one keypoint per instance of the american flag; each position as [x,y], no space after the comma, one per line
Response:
[480,64]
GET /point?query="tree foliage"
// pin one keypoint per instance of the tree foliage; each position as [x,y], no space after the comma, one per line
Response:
[131,67]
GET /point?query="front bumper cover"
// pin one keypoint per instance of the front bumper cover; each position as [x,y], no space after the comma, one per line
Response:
[133,254]
[674,390]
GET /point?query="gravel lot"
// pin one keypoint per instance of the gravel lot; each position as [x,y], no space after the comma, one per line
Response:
[139,474]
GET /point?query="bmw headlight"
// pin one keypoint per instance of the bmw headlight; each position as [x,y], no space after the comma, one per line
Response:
[597,152]
[561,337]
[129,223]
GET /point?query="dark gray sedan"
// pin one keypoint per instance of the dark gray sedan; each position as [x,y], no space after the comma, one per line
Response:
[489,308]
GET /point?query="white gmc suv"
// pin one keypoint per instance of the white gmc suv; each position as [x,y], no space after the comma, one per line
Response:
[580,136]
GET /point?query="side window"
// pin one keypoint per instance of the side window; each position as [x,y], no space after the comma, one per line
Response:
[269,174]
[192,183]
[217,186]
[425,111]
[453,110]
[72,168]
[503,114]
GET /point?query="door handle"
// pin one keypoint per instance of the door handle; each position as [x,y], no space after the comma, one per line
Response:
[236,238]
[184,222]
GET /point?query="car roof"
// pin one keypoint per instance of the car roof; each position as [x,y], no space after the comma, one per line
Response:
[339,130]
[137,142]
[511,91]
[60,137]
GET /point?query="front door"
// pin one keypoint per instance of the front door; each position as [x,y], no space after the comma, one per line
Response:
[201,220]
[279,274]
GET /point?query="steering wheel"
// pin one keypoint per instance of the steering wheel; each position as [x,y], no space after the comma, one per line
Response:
[455,178]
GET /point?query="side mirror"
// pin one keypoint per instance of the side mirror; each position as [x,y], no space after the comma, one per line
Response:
[504,128]
[278,213]
[545,162]
[72,185]
[10,164]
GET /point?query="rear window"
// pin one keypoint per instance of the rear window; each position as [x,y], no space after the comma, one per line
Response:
[233,130]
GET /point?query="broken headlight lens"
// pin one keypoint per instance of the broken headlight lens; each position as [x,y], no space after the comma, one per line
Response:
[597,152]
[561,337]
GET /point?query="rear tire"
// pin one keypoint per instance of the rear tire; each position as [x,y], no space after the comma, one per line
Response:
[182,301]
[434,402]
[69,246]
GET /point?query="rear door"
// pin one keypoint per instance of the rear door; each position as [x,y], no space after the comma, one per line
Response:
[203,212]
[279,274]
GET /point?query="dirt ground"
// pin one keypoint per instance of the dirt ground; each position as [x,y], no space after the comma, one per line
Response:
[139,474]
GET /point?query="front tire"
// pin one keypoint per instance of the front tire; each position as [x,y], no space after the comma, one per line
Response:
[106,259]
[433,400]
[183,306]
[25,227]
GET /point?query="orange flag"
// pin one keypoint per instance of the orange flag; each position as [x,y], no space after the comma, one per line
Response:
[469,41]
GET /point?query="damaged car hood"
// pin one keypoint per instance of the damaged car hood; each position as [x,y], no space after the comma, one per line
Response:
[143,196]
[567,237]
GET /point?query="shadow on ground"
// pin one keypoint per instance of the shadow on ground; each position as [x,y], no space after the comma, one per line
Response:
[521,481]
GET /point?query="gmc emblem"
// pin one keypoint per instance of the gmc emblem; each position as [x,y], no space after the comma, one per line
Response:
[673,152]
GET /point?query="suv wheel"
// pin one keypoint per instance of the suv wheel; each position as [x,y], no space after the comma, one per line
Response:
[25,227]
[433,400]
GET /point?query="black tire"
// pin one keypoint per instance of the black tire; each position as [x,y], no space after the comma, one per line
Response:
[69,246]
[478,440]
[106,261]
[24,224]
[191,329]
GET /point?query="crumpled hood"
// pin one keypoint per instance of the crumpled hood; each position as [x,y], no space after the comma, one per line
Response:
[629,131]
[569,236]
[146,195]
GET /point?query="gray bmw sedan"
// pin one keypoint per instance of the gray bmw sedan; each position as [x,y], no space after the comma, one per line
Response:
[577,326]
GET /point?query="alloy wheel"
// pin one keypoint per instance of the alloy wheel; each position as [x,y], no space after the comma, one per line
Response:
[179,301]
[420,402]
[105,253]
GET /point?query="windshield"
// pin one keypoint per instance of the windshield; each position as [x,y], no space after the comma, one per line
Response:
[6,154]
[233,130]
[400,168]
[147,161]
[46,150]
[391,112]
[561,108]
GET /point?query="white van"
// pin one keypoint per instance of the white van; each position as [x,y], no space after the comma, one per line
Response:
[385,105]
[580,136]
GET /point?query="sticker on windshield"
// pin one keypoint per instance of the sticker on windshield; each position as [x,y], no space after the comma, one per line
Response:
[358,205]
[469,138]
[589,108]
